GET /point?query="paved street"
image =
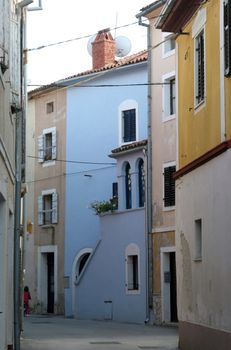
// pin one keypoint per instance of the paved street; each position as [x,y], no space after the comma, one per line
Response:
[46,333]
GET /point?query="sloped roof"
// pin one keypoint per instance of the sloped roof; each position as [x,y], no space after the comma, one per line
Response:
[129,147]
[139,57]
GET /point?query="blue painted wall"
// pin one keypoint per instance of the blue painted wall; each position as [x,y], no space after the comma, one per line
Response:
[92,132]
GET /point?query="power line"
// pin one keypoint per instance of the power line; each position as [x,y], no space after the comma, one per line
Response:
[68,174]
[107,85]
[75,161]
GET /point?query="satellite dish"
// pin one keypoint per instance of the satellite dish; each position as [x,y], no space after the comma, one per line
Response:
[123,46]
[89,44]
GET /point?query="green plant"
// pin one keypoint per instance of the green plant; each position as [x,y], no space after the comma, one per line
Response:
[101,207]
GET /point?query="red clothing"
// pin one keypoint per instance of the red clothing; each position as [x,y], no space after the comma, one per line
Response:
[27,297]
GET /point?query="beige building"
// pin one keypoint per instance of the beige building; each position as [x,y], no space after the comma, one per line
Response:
[163,154]
[44,241]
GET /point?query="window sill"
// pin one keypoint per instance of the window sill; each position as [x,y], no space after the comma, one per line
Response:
[169,208]
[168,118]
[198,259]
[132,292]
[47,163]
[199,106]
[47,226]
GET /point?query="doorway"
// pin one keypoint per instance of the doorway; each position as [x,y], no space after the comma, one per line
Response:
[169,285]
[50,282]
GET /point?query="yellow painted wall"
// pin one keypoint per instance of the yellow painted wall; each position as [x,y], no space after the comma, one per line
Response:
[199,129]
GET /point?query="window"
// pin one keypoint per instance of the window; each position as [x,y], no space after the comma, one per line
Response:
[169,44]
[169,186]
[227,37]
[141,182]
[114,199]
[48,208]
[198,239]
[129,125]
[47,145]
[132,266]
[169,95]
[199,68]
[50,107]
[132,259]
[128,186]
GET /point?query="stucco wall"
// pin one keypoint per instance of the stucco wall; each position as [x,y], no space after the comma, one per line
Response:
[203,286]
[92,132]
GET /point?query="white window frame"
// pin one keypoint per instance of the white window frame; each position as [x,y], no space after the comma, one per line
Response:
[41,143]
[167,165]
[54,214]
[197,28]
[126,105]
[166,116]
[165,37]
[132,249]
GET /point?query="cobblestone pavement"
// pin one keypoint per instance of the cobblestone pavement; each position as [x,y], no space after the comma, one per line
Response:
[59,333]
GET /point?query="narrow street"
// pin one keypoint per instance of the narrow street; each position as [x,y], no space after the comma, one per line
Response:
[45,333]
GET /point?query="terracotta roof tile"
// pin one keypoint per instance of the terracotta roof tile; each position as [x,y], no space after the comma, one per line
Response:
[129,146]
[139,57]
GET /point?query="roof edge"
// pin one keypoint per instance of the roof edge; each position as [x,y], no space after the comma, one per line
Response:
[150,8]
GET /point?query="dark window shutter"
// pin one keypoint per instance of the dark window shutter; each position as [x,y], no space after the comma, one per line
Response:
[169,186]
[129,125]
[201,68]
[227,37]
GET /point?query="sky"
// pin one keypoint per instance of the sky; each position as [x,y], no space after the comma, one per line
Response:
[68,19]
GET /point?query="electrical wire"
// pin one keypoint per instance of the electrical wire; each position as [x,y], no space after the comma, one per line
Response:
[68,174]
[75,161]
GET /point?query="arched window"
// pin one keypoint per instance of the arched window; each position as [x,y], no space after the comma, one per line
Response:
[82,261]
[141,182]
[128,186]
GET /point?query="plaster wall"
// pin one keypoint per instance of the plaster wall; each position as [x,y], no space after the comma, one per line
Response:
[203,286]
[105,277]
[93,128]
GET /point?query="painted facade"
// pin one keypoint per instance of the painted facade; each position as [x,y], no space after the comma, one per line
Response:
[11,107]
[163,143]
[76,125]
[44,246]
[113,284]
[94,127]
[203,194]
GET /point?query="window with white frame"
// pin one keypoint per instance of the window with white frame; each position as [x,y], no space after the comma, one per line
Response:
[129,125]
[169,96]
[169,44]
[227,37]
[199,68]
[132,269]
[48,208]
[47,148]
[169,185]
[128,121]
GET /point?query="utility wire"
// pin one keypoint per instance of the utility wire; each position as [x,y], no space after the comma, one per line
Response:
[75,161]
[68,174]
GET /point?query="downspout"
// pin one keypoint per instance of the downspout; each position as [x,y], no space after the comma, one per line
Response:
[148,229]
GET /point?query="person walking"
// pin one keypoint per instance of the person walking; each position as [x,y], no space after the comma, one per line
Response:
[27,297]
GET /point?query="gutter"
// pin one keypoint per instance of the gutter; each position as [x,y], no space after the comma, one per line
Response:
[165,12]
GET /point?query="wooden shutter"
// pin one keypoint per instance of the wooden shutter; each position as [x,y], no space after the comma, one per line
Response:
[129,124]
[40,210]
[227,37]
[54,208]
[201,67]
[169,186]
[54,144]
[40,149]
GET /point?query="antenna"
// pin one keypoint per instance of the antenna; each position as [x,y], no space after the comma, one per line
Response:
[123,46]
[89,44]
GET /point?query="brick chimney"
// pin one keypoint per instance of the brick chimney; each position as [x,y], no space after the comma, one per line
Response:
[103,49]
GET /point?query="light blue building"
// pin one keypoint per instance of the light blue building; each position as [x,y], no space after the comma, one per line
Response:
[106,110]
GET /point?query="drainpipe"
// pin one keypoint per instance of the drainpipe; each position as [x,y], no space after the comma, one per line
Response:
[149,249]
[18,182]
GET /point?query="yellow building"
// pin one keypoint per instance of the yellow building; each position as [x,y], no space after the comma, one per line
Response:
[203,192]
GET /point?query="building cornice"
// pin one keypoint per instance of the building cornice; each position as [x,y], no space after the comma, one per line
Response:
[211,154]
